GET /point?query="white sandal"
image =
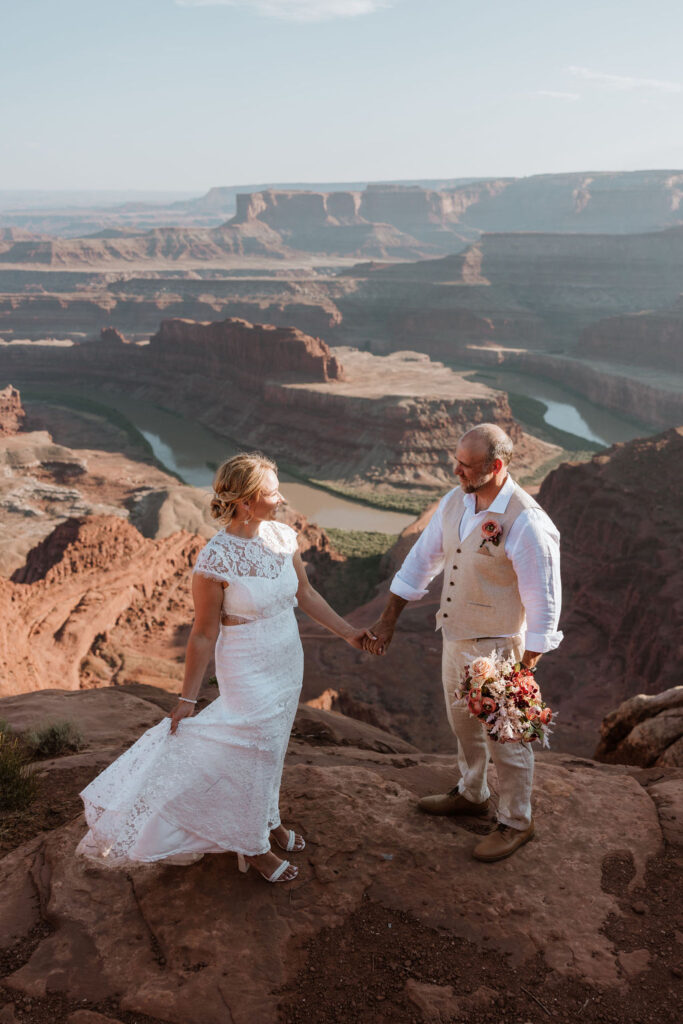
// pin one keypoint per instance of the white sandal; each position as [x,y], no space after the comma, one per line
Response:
[291,846]
[276,876]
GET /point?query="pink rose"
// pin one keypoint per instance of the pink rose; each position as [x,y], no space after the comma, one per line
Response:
[482,668]
[532,714]
[546,716]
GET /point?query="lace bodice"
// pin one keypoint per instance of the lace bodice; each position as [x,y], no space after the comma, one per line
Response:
[259,572]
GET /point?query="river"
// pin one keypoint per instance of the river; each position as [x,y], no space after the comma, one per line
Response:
[564,409]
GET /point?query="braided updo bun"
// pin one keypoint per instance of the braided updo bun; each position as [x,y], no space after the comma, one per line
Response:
[238,479]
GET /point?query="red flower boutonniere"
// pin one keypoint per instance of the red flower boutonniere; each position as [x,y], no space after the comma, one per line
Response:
[491,532]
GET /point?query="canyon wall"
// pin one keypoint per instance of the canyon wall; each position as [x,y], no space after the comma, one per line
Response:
[12,413]
[237,348]
[652,399]
[642,339]
[622,541]
[286,392]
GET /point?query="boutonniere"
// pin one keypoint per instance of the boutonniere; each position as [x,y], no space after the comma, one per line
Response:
[491,532]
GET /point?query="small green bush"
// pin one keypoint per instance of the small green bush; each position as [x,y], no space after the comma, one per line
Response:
[5,726]
[53,739]
[18,782]
[212,681]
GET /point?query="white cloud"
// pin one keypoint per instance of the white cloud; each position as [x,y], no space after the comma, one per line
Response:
[625,83]
[551,94]
[298,10]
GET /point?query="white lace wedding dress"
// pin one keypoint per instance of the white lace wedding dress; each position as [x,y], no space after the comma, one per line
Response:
[214,785]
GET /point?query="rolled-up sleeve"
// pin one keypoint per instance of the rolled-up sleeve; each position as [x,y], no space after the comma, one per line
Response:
[423,562]
[534,550]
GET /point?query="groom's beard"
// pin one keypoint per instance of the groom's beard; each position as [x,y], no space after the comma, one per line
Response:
[477,483]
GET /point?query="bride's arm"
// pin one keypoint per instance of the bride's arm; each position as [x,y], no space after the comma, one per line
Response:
[315,605]
[208,600]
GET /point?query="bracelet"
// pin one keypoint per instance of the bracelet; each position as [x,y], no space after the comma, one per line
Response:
[187,700]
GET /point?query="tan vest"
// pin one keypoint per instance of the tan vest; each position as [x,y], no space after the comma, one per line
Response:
[480,596]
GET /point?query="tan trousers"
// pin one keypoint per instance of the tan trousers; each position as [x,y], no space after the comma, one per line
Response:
[514,761]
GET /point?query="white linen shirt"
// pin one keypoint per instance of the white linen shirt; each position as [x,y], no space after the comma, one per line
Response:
[532,545]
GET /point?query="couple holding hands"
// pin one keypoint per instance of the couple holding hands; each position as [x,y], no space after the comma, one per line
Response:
[209,783]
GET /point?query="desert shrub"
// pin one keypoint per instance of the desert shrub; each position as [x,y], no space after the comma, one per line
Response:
[5,726]
[53,739]
[212,681]
[18,781]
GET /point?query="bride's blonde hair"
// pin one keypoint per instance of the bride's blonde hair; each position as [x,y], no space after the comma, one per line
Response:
[238,479]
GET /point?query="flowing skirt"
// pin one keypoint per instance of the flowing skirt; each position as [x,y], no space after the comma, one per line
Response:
[214,785]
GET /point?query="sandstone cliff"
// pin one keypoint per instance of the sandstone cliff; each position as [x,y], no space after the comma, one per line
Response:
[95,602]
[287,393]
[622,542]
[135,308]
[534,290]
[646,730]
[640,339]
[238,349]
[12,414]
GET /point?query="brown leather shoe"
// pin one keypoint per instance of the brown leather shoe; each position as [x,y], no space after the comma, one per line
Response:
[502,842]
[452,803]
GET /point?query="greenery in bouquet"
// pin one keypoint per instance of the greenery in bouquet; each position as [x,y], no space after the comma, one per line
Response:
[505,697]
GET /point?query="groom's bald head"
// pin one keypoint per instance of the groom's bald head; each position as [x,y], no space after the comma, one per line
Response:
[482,455]
[489,442]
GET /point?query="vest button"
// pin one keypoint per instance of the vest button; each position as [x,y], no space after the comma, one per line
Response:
[451,584]
[445,615]
[455,567]
[448,598]
[457,551]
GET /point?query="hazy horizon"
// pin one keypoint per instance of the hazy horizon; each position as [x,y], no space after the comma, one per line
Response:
[184,95]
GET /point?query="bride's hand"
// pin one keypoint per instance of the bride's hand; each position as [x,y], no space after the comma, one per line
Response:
[182,710]
[355,637]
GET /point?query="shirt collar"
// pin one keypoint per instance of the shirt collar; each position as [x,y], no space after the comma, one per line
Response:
[500,502]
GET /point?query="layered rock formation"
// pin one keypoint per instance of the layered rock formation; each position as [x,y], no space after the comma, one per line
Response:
[287,393]
[611,202]
[96,603]
[645,730]
[12,414]
[641,339]
[387,920]
[89,576]
[253,351]
[622,538]
[537,290]
[136,307]
[43,483]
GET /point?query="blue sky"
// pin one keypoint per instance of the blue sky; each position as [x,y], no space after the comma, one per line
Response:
[163,94]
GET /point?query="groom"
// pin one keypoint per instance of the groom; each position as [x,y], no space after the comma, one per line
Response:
[494,597]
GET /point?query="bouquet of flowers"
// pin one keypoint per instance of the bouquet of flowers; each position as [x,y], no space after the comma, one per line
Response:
[504,696]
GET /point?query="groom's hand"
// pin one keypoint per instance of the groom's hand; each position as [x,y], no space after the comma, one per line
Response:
[378,637]
[530,659]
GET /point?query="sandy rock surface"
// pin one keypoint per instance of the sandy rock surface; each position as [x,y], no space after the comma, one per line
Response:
[205,944]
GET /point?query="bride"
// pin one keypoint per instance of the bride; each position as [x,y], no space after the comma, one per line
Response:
[210,783]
